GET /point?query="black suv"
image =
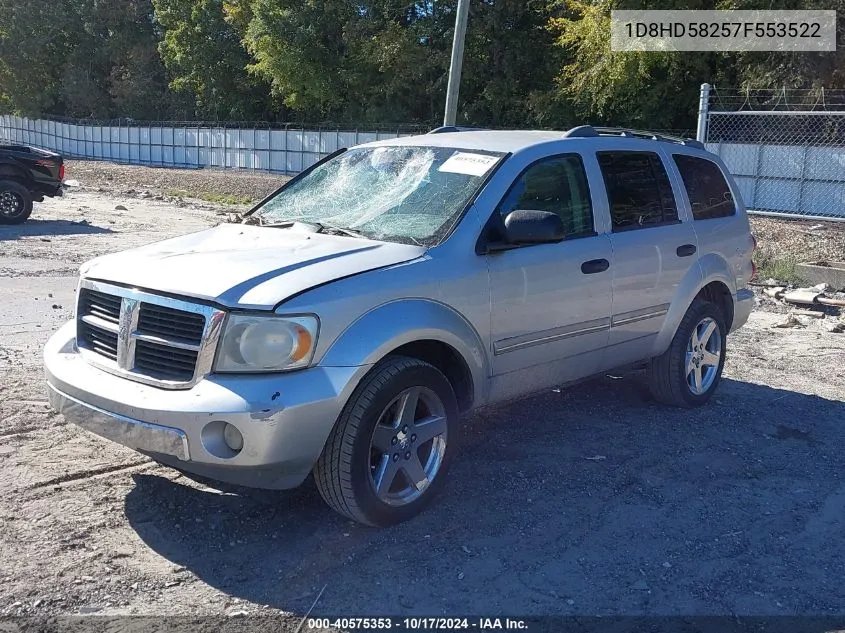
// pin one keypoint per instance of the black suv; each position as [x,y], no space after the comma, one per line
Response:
[27,174]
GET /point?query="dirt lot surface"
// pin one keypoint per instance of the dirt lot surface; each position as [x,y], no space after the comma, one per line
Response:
[590,500]
[134,181]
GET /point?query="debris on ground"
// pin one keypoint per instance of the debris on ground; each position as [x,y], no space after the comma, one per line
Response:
[803,306]
[802,296]
[808,318]
[831,301]
[790,321]
[809,313]
[836,327]
[816,295]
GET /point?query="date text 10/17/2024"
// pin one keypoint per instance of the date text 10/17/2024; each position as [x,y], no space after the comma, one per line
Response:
[418,624]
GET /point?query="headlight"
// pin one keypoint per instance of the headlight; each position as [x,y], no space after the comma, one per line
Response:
[266,343]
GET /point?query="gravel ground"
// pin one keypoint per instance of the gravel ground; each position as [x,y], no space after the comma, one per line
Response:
[590,500]
[803,240]
[134,181]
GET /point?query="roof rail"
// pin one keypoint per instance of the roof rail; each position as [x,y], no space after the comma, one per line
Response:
[454,128]
[588,131]
[582,131]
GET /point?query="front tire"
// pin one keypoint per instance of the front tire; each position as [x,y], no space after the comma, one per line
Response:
[390,450]
[15,202]
[687,374]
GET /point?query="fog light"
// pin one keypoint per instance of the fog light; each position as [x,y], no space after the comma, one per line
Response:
[233,438]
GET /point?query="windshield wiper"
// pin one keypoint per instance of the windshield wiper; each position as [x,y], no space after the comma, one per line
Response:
[317,227]
[339,230]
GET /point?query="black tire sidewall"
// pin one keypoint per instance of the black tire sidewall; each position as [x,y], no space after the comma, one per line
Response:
[19,190]
[418,375]
[698,311]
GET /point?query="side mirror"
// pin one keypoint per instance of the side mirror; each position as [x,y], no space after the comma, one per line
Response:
[524,226]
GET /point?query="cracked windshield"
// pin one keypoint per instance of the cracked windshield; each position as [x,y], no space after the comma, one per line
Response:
[405,194]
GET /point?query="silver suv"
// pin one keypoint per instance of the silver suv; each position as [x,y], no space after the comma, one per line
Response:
[361,308]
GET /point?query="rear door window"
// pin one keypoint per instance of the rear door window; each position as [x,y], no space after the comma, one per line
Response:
[708,191]
[638,190]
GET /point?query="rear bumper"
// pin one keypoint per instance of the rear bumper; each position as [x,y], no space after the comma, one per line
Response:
[743,305]
[284,418]
[50,190]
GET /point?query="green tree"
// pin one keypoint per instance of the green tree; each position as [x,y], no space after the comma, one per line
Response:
[300,49]
[539,63]
[398,58]
[650,89]
[774,70]
[123,46]
[82,58]
[386,61]
[35,37]
[205,59]
[511,63]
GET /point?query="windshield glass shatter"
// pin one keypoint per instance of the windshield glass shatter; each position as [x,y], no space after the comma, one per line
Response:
[395,193]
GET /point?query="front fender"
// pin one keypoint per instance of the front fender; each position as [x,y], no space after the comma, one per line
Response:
[710,268]
[388,326]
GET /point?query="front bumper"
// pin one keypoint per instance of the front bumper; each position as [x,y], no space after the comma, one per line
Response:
[743,306]
[284,418]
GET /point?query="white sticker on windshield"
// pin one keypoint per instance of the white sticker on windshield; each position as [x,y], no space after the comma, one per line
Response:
[469,164]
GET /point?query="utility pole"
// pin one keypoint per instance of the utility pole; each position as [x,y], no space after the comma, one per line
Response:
[457,63]
[703,107]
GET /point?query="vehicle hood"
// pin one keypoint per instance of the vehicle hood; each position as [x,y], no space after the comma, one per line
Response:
[244,266]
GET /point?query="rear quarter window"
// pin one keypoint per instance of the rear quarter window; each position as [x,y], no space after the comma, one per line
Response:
[708,191]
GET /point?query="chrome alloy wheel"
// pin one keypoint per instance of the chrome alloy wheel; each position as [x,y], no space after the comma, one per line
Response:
[704,353]
[408,445]
[10,204]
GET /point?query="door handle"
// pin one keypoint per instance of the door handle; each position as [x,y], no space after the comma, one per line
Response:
[595,266]
[686,250]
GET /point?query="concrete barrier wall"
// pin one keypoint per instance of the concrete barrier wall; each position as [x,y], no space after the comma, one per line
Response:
[793,179]
[286,151]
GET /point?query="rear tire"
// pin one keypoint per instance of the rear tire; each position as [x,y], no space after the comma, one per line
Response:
[390,450]
[687,374]
[15,202]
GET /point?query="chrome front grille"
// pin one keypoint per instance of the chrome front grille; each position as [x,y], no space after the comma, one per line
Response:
[145,337]
[100,305]
[169,323]
[99,340]
[167,363]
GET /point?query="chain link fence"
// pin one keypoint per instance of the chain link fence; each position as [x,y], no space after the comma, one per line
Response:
[785,149]
[284,149]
